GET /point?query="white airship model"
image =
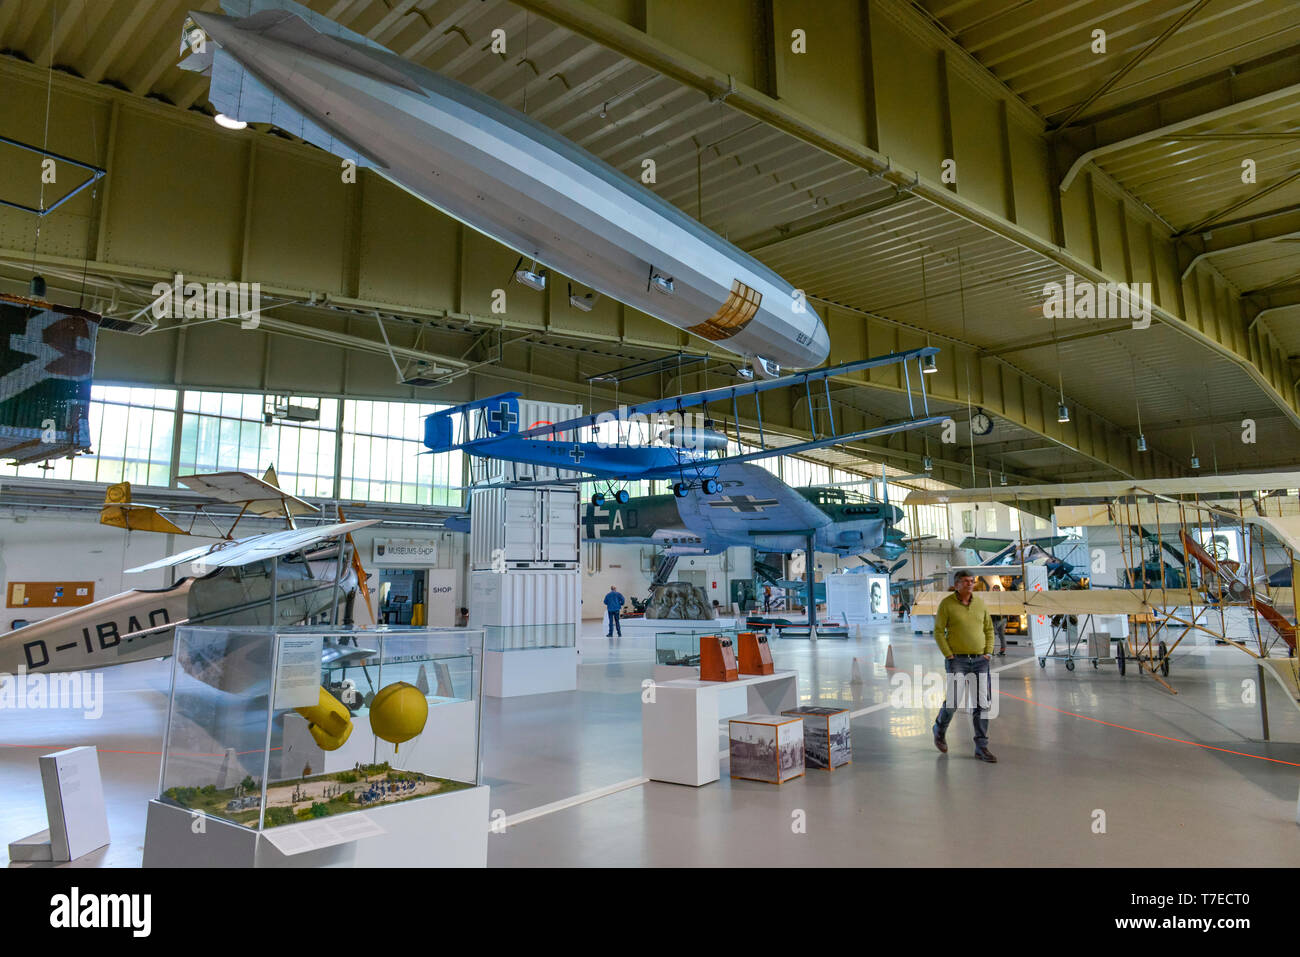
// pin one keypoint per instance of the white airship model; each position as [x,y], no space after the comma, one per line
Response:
[502,173]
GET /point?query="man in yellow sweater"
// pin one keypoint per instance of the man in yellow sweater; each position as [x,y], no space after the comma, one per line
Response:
[964,632]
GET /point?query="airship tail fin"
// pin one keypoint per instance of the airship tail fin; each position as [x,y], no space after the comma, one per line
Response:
[238,94]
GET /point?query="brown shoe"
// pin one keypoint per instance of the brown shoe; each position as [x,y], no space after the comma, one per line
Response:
[986,755]
[939,742]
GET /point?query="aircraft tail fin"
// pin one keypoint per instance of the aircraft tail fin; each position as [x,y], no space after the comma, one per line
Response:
[119,494]
[119,512]
[499,416]
[237,93]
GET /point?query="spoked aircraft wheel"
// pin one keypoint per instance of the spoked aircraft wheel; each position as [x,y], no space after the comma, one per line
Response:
[1119,658]
[680,489]
[623,496]
[1069,664]
[712,486]
[1164,659]
[1042,662]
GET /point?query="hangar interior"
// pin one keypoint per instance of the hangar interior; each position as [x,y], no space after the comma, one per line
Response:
[922,172]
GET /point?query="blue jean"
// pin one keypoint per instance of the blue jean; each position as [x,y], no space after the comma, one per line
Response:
[968,665]
[612,624]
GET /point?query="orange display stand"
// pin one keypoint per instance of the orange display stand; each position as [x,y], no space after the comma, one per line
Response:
[717,659]
[755,655]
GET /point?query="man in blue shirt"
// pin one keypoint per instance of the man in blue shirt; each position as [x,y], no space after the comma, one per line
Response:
[613,604]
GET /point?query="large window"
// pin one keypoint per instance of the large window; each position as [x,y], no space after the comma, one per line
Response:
[225,431]
[384,459]
[130,433]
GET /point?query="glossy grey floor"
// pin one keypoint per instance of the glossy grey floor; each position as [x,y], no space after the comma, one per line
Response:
[1094,769]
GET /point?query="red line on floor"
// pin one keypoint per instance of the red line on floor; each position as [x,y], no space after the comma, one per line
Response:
[1152,734]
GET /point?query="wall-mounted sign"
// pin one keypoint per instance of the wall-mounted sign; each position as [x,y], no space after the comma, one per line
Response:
[405,551]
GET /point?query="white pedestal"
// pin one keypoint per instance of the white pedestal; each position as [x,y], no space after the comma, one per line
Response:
[449,830]
[444,748]
[74,806]
[509,674]
[679,730]
[648,626]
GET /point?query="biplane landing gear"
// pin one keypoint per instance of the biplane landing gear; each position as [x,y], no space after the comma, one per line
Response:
[598,499]
[1164,659]
[680,489]
[1042,662]
[1119,658]
[623,496]
[1069,664]
[712,486]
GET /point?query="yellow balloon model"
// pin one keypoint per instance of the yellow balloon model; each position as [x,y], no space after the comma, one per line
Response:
[398,713]
[328,721]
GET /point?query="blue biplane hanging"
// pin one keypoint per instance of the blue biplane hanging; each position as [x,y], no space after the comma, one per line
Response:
[685,454]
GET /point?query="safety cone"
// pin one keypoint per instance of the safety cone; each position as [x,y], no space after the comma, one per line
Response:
[889,658]
[856,677]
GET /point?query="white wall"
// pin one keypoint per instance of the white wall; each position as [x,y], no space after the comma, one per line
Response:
[628,568]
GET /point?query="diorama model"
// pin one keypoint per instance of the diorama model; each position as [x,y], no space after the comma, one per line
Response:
[308,797]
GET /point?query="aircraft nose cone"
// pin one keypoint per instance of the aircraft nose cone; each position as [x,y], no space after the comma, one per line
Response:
[820,347]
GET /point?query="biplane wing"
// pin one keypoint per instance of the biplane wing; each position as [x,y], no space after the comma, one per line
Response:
[1071,601]
[254,548]
[260,496]
[491,427]
[1205,485]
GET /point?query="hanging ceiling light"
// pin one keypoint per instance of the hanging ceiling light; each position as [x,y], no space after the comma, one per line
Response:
[1142,442]
[928,365]
[533,278]
[1196,462]
[927,464]
[1062,411]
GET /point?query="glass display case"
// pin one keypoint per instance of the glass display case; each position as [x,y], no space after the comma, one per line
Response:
[267,727]
[527,637]
[682,648]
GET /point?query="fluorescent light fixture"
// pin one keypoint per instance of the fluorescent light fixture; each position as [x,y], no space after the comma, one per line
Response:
[1142,443]
[582,303]
[663,284]
[230,124]
[929,365]
[745,372]
[533,280]
[1062,413]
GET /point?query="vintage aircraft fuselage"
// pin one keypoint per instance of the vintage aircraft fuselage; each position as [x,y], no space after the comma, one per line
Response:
[852,528]
[140,624]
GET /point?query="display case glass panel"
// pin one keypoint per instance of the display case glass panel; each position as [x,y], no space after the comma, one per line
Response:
[267,727]
[528,637]
[682,648]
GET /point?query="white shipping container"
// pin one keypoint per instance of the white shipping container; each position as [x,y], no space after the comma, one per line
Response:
[523,525]
[526,608]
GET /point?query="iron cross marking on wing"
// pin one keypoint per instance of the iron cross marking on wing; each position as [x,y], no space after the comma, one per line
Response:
[743,503]
[502,418]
